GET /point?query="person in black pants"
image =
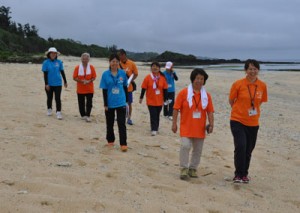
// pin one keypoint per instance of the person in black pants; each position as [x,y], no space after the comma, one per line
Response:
[85,75]
[53,70]
[245,98]
[115,96]
[155,86]
[171,77]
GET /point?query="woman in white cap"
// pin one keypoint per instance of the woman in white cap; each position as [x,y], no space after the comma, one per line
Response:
[53,70]
[171,77]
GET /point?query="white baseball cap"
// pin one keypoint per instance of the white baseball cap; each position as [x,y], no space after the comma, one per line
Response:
[169,64]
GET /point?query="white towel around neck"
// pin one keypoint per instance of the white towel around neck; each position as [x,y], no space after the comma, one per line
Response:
[81,70]
[154,78]
[204,98]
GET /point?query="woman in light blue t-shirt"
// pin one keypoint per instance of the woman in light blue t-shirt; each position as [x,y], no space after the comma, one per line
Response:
[53,70]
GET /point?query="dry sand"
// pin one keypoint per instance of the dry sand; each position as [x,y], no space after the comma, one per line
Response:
[146,178]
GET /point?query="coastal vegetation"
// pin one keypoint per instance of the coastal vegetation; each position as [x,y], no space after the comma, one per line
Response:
[22,44]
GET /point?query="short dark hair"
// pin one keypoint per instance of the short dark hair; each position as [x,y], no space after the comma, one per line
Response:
[155,63]
[114,55]
[253,62]
[198,71]
[122,51]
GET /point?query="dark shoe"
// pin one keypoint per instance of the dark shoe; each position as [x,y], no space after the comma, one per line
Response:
[129,121]
[193,173]
[184,174]
[237,179]
[245,179]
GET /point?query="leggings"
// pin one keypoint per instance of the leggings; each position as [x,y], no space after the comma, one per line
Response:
[57,92]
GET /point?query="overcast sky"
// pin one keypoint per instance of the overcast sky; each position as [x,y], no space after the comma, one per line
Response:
[261,29]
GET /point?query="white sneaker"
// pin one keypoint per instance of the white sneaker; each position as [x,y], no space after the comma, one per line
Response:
[170,118]
[83,118]
[153,133]
[88,119]
[49,112]
[58,115]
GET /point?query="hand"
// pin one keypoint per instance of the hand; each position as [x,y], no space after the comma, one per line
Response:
[140,101]
[209,128]
[174,127]
[106,108]
[65,85]
[47,87]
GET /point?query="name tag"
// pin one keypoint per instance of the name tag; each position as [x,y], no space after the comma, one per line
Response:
[169,85]
[252,112]
[196,114]
[115,90]
[157,92]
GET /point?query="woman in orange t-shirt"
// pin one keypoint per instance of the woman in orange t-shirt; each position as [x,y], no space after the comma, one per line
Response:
[156,87]
[194,105]
[246,96]
[85,74]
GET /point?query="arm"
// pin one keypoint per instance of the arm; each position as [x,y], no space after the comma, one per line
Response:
[135,72]
[46,81]
[174,124]
[211,122]
[142,95]
[175,76]
[231,102]
[62,72]
[104,91]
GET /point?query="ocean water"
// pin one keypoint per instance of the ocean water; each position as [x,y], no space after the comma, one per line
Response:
[263,67]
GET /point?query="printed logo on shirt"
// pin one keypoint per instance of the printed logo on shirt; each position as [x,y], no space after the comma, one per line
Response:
[259,94]
[121,80]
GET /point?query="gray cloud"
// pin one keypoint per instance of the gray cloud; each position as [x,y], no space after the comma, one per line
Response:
[266,29]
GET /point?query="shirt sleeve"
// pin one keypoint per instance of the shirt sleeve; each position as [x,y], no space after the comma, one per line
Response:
[233,92]
[102,82]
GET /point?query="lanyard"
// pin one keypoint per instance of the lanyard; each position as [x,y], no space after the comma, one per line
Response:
[115,79]
[252,99]
[197,104]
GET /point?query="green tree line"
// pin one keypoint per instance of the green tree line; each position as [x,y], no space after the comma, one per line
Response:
[21,43]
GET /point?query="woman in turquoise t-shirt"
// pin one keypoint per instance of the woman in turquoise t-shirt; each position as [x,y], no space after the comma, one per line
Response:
[114,86]
[53,70]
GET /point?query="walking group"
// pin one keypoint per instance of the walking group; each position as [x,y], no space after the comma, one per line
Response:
[193,103]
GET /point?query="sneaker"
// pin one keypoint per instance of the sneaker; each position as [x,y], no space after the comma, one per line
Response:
[171,118]
[58,115]
[237,179]
[153,133]
[184,174]
[193,173]
[110,144]
[129,121]
[124,148]
[88,119]
[83,117]
[49,112]
[245,179]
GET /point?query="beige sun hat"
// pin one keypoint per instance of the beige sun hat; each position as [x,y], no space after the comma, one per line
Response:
[52,49]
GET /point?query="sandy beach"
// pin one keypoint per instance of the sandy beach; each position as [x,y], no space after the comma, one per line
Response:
[50,165]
